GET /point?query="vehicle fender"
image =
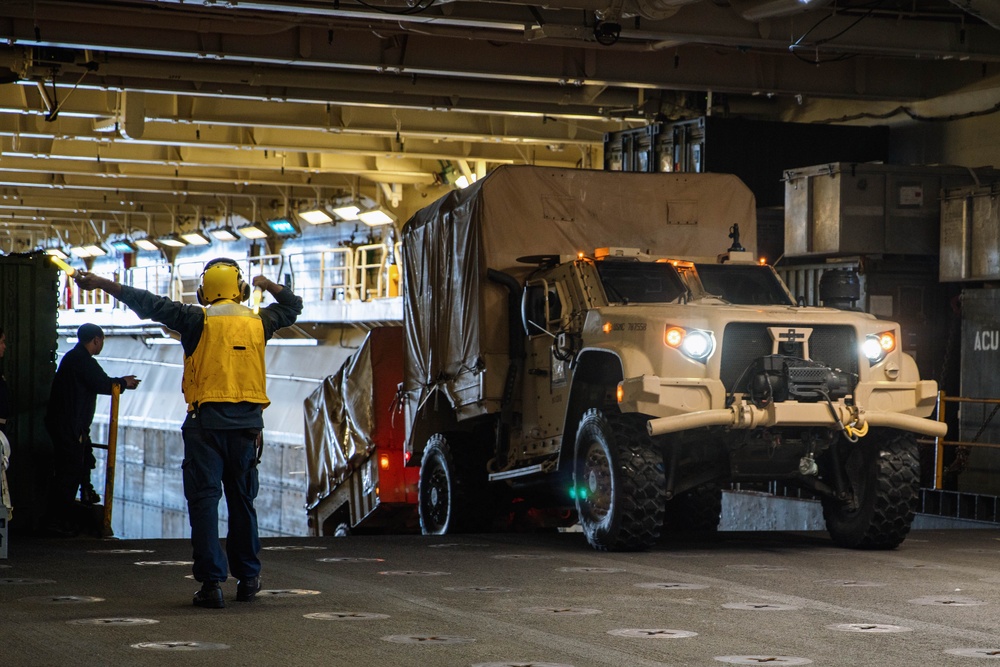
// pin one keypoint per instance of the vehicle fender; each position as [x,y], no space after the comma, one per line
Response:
[596,374]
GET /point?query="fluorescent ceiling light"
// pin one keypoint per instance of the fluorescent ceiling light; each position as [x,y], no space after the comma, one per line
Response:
[316,216]
[146,244]
[252,231]
[95,250]
[123,245]
[282,227]
[374,217]
[56,252]
[196,237]
[347,212]
[79,251]
[172,240]
[226,233]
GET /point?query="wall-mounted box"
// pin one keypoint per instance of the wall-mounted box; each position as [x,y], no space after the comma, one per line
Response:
[857,209]
[970,233]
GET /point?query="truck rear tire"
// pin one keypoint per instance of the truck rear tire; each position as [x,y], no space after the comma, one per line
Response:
[886,480]
[619,482]
[451,489]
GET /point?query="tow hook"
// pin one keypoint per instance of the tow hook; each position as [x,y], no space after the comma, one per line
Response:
[807,466]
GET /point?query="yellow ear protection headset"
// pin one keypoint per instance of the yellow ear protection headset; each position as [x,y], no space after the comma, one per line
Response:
[222,279]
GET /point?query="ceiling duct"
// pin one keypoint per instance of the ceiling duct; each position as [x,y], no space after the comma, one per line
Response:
[987,10]
[653,10]
[758,11]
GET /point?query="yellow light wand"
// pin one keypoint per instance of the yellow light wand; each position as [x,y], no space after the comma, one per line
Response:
[63,265]
[258,295]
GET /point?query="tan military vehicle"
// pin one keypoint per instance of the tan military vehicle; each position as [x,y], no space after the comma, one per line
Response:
[633,382]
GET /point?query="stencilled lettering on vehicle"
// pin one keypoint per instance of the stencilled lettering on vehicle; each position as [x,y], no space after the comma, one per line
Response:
[628,326]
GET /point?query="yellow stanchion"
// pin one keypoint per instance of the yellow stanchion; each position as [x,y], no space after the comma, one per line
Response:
[109,468]
[939,447]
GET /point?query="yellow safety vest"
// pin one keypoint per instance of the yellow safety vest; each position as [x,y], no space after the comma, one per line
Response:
[228,364]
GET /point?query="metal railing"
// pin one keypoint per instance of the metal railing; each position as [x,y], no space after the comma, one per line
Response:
[367,272]
[941,443]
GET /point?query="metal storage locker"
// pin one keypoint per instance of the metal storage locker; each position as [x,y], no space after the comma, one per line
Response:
[28,306]
[970,233]
[980,361]
[847,208]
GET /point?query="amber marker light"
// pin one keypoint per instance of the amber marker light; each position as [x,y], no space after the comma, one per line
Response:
[673,336]
[606,328]
[887,341]
[579,255]
[383,462]
[763,261]
[620,393]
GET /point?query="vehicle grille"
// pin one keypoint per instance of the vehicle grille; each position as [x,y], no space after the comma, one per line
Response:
[743,342]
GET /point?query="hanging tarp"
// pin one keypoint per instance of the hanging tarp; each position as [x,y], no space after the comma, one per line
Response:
[349,414]
[455,318]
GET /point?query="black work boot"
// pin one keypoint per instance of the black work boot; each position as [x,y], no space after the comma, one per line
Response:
[210,596]
[246,589]
[88,495]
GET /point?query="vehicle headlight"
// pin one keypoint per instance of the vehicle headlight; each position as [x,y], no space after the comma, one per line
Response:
[697,344]
[876,346]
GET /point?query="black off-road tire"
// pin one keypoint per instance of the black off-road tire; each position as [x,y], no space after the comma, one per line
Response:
[886,479]
[453,495]
[619,482]
[696,510]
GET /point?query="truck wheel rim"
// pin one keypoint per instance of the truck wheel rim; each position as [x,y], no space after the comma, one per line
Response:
[597,478]
[437,497]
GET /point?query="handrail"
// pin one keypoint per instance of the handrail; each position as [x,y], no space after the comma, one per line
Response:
[371,265]
[940,443]
[367,272]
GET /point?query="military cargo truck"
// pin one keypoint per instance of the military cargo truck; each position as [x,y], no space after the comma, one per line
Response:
[609,342]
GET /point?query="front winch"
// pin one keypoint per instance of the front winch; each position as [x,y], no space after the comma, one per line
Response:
[778,378]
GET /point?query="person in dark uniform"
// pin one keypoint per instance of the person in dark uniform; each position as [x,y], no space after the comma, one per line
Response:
[4,392]
[5,410]
[224,386]
[68,416]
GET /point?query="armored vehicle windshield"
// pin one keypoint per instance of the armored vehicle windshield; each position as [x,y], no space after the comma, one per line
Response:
[640,282]
[744,284]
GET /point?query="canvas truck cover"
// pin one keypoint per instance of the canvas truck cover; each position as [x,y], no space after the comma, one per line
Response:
[455,317]
[349,414]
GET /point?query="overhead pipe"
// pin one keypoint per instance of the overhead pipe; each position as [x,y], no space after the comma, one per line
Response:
[366,80]
[649,9]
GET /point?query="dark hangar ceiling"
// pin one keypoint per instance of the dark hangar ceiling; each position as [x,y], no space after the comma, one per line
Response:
[120,114]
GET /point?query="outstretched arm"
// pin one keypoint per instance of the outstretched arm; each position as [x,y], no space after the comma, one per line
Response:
[282,313]
[89,281]
[268,285]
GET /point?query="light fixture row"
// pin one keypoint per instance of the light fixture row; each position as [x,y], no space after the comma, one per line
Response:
[371,216]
